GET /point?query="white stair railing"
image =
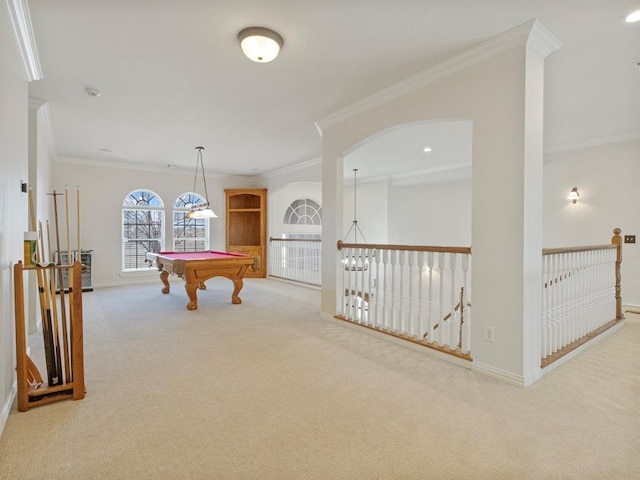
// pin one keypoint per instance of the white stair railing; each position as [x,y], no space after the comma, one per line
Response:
[418,293]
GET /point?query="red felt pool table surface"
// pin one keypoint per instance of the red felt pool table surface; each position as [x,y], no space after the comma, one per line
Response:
[197,267]
[211,255]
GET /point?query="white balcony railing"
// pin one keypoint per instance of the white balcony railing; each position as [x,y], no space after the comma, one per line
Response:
[295,260]
[581,296]
[418,293]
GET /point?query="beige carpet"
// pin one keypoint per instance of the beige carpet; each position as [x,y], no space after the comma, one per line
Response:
[268,390]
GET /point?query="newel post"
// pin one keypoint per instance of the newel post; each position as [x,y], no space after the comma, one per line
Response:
[617,240]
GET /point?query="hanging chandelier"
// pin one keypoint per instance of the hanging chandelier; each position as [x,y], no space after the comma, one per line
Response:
[200,210]
[355,261]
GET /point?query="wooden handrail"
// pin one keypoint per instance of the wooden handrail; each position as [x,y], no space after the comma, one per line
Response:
[271,239]
[414,248]
[586,248]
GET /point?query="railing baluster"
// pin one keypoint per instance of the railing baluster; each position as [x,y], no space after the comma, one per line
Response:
[393,312]
[385,293]
[401,294]
[430,320]
[357,290]
[419,323]
[440,334]
[453,330]
[465,340]
[373,287]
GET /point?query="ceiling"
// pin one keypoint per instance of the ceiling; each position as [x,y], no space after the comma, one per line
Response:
[173,77]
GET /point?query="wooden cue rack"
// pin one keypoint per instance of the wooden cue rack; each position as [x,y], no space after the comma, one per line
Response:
[32,389]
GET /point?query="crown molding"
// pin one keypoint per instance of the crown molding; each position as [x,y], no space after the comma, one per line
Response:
[541,39]
[21,21]
[290,168]
[137,166]
[593,143]
[455,172]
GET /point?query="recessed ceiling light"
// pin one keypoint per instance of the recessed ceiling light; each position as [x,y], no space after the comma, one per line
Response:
[427,149]
[633,17]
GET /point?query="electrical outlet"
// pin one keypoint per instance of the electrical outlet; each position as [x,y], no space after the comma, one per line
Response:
[489,334]
[629,239]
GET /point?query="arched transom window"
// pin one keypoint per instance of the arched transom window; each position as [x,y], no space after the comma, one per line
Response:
[303,211]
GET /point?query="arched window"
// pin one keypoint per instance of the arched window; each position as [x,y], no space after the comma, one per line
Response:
[189,234]
[303,211]
[142,228]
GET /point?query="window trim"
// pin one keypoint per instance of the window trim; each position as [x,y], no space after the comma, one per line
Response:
[195,200]
[161,227]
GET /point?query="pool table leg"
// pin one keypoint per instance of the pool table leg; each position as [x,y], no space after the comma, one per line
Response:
[164,277]
[192,289]
[237,286]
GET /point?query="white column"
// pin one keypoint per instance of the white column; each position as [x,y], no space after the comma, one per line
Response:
[507,228]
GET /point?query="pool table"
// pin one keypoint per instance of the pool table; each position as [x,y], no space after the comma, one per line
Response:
[197,267]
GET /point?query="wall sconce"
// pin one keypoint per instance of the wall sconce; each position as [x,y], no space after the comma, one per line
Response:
[573,195]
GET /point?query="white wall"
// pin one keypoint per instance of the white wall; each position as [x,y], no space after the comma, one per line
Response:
[372,205]
[608,179]
[13,203]
[102,191]
[431,214]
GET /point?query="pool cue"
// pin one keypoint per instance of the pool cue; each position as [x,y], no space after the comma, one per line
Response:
[35,378]
[79,251]
[46,316]
[78,219]
[65,334]
[63,308]
[54,303]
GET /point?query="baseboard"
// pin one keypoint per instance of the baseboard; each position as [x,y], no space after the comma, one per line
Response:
[6,408]
[630,308]
[504,376]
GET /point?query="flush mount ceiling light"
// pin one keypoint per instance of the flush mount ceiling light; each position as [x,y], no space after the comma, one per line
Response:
[201,210]
[260,44]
